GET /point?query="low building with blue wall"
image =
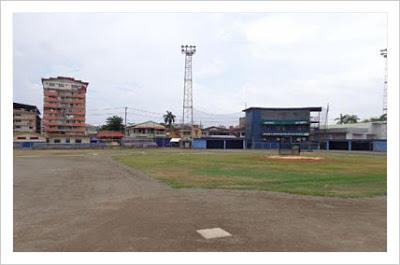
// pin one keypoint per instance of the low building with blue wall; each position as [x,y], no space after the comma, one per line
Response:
[361,136]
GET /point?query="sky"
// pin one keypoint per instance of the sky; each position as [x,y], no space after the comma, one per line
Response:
[242,59]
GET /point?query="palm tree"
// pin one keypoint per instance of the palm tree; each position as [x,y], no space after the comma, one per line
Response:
[169,118]
[351,119]
[340,119]
[345,119]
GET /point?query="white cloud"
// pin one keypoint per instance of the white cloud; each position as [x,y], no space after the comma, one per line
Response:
[279,30]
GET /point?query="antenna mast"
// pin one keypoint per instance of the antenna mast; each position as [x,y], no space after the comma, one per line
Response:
[384,54]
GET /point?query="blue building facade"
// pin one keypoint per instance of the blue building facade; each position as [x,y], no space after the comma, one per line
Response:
[268,127]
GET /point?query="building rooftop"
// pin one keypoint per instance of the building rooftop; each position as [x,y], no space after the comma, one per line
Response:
[354,125]
[285,108]
[109,134]
[58,78]
[148,125]
[25,106]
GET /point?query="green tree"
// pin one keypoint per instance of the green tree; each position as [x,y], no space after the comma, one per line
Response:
[351,119]
[114,123]
[169,118]
[347,118]
[383,117]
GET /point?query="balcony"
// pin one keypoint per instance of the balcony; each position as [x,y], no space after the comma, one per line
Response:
[50,105]
[287,133]
[285,122]
[49,123]
[78,118]
[76,112]
[76,124]
[71,101]
[47,99]
[52,130]
[81,96]
[50,93]
[47,129]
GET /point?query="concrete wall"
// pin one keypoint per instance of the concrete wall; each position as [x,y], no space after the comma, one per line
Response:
[72,140]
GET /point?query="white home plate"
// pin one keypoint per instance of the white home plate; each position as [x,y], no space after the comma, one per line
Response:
[210,233]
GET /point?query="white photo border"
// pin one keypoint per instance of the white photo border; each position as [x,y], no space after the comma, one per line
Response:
[8,8]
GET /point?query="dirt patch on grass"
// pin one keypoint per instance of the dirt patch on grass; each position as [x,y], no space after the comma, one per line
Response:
[293,158]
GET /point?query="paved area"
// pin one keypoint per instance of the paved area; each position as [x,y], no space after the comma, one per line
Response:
[92,203]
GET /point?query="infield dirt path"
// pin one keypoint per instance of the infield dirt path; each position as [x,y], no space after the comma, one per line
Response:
[92,203]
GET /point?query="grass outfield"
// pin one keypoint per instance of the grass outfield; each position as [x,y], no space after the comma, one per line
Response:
[338,174]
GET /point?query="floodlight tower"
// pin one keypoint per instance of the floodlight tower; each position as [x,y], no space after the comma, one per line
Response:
[187,119]
[384,54]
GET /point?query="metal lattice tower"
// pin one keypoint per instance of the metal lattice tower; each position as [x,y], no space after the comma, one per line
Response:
[187,118]
[384,54]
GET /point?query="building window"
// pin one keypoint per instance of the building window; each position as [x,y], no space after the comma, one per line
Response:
[18,127]
[61,85]
[67,140]
[57,141]
[78,141]
[34,138]
[52,84]
[21,137]
[17,120]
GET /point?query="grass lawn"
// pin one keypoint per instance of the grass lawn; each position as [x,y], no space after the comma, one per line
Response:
[337,174]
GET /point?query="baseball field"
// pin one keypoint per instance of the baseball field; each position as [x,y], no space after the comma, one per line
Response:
[333,174]
[158,200]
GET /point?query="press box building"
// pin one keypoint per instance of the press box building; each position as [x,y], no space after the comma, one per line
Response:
[267,127]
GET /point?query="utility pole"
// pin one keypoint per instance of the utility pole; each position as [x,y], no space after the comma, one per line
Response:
[187,117]
[126,110]
[326,126]
[326,116]
[384,54]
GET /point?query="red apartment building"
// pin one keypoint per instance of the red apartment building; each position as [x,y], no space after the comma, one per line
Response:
[64,110]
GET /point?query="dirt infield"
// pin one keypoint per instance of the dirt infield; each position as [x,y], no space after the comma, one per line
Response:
[92,203]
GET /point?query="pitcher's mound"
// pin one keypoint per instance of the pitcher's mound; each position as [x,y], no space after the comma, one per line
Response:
[294,157]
